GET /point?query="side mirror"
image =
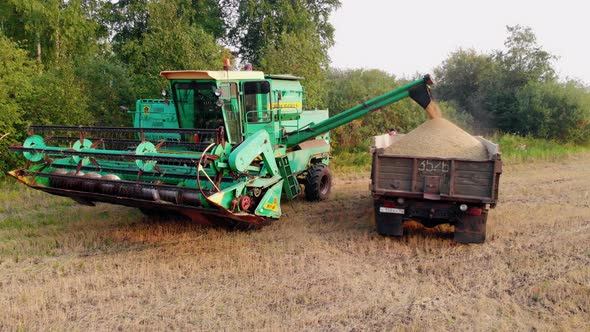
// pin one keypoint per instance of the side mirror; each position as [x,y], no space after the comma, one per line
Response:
[123,109]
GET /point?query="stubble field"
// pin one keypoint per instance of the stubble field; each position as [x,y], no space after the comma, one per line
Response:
[321,267]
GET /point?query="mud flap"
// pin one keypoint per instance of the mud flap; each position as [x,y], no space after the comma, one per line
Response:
[471,229]
[388,224]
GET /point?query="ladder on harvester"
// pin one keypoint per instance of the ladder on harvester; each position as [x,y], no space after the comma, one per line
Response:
[290,185]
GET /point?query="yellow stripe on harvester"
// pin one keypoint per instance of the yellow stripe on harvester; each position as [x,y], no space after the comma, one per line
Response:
[294,104]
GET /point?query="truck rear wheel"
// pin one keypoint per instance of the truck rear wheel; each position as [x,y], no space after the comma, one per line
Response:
[318,183]
[471,229]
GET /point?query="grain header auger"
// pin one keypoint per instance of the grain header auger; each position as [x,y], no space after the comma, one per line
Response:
[237,142]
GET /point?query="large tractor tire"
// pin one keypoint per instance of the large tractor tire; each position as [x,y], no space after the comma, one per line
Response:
[318,183]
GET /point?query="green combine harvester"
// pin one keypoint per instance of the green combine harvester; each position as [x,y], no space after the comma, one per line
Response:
[224,151]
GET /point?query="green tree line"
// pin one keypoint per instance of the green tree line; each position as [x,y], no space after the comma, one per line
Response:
[514,90]
[74,62]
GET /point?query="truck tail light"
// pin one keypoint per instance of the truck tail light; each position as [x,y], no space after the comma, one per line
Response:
[474,211]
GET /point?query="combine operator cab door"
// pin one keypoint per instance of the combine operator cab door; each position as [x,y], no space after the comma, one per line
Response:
[257,110]
[231,111]
[196,104]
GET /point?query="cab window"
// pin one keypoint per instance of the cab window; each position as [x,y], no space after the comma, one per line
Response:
[257,101]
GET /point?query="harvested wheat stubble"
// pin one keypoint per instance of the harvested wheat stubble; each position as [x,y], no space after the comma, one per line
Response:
[440,138]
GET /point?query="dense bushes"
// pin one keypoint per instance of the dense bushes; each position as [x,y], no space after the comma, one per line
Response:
[75,62]
[515,91]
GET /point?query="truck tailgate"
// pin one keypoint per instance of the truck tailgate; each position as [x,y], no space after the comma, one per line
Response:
[436,178]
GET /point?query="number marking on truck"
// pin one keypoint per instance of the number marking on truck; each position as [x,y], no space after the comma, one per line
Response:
[384,209]
[434,166]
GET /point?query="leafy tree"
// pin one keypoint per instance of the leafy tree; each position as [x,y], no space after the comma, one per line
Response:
[108,85]
[465,79]
[486,86]
[126,22]
[297,31]
[348,88]
[207,14]
[554,111]
[522,63]
[130,21]
[170,42]
[257,23]
[50,30]
[524,60]
[58,97]
[300,53]
[16,74]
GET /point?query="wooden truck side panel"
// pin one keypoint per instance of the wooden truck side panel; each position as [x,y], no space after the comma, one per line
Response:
[434,191]
[444,178]
[454,179]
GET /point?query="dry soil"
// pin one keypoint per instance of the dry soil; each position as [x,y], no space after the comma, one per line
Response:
[321,267]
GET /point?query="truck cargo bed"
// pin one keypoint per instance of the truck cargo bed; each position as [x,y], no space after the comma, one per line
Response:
[436,178]
[434,190]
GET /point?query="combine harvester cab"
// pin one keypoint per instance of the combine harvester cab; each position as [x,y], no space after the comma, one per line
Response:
[224,151]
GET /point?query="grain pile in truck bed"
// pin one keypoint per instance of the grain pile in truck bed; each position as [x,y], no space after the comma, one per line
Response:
[441,138]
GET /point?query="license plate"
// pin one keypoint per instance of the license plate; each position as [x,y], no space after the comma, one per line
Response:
[384,209]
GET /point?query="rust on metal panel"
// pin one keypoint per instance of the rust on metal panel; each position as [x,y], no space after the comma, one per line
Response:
[415,175]
[452,179]
[432,187]
[316,143]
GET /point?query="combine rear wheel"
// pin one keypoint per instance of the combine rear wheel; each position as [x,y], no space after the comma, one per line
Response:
[318,183]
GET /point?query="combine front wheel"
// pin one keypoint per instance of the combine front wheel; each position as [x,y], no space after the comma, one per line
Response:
[318,183]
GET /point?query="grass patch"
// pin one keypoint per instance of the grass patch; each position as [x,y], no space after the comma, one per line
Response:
[34,223]
[322,266]
[518,149]
[351,161]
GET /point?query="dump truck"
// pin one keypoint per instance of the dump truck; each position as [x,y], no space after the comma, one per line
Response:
[434,190]
[236,143]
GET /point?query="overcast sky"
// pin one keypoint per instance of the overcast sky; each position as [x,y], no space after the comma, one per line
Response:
[405,37]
